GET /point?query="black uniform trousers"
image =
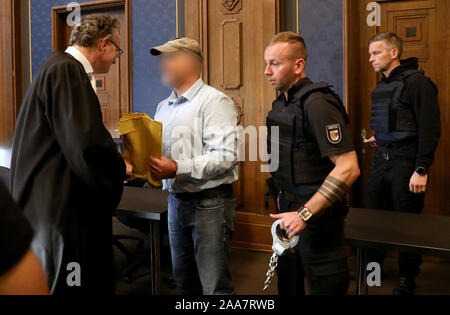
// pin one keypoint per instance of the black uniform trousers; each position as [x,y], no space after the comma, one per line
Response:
[320,256]
[388,189]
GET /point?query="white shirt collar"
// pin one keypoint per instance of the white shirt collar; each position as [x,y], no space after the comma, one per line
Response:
[74,52]
[190,94]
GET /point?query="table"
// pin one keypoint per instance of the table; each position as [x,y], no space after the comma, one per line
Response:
[398,231]
[151,205]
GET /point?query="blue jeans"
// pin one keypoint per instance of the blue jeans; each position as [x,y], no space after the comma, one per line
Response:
[200,232]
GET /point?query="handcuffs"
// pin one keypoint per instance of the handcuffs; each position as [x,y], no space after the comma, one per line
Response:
[281,243]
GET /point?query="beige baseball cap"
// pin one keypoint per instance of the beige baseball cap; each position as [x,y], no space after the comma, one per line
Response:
[185,44]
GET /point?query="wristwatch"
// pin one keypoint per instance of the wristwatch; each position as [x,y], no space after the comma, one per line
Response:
[422,171]
[304,214]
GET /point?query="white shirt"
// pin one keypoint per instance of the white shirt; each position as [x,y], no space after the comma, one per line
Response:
[200,133]
[75,53]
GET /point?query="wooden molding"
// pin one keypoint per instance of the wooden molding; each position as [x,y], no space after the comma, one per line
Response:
[252,232]
[93,5]
[231,53]
[231,6]
[196,12]
[11,66]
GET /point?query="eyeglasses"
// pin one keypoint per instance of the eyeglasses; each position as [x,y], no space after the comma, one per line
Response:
[119,50]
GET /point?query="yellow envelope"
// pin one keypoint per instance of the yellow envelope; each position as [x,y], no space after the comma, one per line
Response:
[142,137]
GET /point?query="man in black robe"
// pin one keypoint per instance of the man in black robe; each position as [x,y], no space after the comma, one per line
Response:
[67,174]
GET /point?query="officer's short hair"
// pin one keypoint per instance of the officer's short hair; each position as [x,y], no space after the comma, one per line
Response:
[92,28]
[291,38]
[391,39]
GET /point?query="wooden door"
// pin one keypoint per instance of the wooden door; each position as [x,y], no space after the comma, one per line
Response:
[113,88]
[425,30]
[233,35]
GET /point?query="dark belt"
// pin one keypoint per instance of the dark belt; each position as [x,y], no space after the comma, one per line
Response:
[221,190]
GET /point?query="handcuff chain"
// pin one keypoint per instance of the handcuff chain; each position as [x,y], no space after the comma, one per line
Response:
[273,264]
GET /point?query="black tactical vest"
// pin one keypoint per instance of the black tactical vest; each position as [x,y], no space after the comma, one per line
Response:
[392,119]
[300,160]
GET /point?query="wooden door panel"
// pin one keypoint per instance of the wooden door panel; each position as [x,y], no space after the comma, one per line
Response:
[414,27]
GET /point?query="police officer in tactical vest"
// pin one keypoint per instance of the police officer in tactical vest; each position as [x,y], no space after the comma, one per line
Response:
[318,164]
[407,125]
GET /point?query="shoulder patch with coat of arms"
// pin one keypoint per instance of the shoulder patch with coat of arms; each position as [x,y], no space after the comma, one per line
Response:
[334,133]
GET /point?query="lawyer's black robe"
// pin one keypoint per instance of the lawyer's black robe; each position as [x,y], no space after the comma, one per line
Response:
[67,176]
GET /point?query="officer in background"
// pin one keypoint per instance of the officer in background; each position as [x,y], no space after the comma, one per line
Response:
[407,125]
[318,164]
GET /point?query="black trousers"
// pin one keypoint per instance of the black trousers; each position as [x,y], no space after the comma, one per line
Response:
[320,256]
[388,189]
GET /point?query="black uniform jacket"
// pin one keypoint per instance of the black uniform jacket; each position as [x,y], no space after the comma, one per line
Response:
[422,95]
[68,177]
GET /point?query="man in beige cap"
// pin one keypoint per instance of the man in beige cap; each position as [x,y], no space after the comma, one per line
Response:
[199,164]
[185,44]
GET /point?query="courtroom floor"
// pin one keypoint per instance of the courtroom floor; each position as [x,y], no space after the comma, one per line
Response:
[249,268]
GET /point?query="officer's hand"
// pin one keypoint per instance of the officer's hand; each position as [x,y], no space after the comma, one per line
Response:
[372,142]
[162,168]
[418,184]
[290,222]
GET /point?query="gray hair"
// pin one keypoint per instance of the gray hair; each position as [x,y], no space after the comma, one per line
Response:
[92,28]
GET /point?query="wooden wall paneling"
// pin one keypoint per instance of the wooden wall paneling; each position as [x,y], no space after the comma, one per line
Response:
[6,90]
[11,92]
[357,96]
[196,27]
[446,114]
[231,53]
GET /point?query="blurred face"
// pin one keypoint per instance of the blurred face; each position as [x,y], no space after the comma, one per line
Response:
[381,57]
[176,68]
[108,51]
[282,67]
